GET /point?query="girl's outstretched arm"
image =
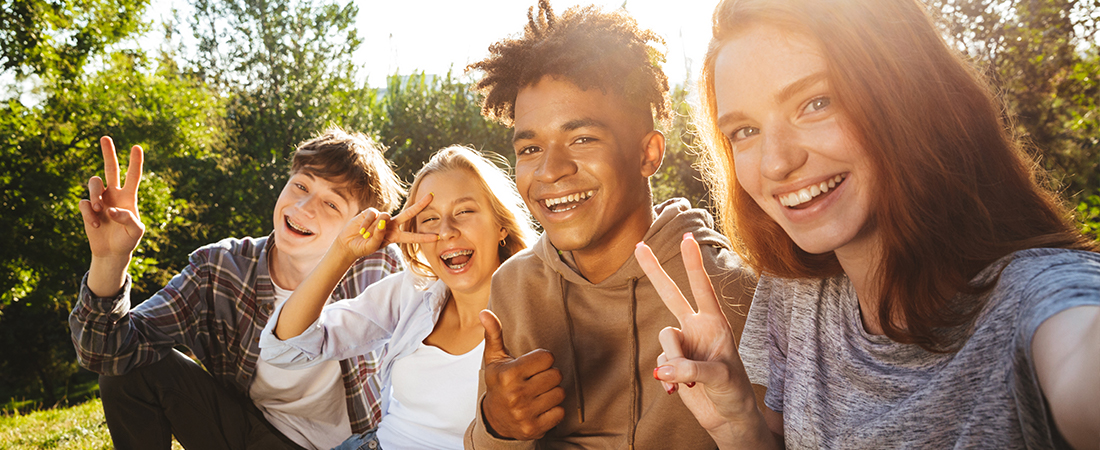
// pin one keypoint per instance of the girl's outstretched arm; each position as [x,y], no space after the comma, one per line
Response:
[1066,350]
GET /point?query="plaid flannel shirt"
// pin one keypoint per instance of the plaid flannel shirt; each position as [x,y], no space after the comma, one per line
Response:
[217,307]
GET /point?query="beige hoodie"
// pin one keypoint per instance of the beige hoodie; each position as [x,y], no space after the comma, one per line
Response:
[604,337]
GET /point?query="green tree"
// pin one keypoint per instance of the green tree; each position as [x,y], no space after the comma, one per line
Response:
[424,113]
[1043,57]
[678,176]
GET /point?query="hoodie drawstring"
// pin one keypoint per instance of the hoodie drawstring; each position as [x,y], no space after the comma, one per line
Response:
[572,349]
[635,400]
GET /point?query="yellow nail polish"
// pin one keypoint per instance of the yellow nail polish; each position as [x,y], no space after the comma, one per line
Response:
[382,224]
[366,235]
[362,230]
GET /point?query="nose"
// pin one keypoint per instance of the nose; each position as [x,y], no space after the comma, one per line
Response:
[782,152]
[556,164]
[308,204]
[448,229]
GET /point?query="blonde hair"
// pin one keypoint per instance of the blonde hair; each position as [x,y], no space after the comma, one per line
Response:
[508,208]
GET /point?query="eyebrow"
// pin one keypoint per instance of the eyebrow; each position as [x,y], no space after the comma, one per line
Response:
[782,96]
[340,191]
[432,208]
[567,126]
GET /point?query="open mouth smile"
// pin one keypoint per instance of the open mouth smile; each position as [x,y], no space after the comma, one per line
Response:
[568,202]
[456,259]
[800,198]
[297,228]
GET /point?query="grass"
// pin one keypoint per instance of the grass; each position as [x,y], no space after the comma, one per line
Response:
[77,427]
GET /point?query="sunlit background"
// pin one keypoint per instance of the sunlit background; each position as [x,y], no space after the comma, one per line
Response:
[435,35]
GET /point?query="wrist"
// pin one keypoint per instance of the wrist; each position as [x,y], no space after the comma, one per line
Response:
[107,275]
[744,431]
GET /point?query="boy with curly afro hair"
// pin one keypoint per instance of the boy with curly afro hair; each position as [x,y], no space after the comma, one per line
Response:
[583,92]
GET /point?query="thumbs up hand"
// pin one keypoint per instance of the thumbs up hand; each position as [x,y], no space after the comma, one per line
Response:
[522,395]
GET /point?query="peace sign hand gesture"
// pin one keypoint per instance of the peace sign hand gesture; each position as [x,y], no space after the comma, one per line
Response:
[111,219]
[702,351]
[372,230]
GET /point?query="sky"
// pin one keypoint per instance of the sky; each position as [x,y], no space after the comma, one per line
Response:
[434,35]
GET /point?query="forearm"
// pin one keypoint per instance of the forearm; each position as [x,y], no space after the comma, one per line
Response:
[305,304]
[106,275]
[1074,392]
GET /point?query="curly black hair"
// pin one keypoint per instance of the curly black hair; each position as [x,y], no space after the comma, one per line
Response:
[586,46]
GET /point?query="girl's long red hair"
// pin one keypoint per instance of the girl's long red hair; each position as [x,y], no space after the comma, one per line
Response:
[955,190]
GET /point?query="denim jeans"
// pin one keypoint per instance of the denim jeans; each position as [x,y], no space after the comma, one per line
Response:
[365,441]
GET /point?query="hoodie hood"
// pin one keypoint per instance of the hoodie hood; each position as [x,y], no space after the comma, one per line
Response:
[674,218]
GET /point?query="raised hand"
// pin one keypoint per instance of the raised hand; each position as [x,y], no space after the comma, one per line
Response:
[702,352]
[522,395]
[371,230]
[111,219]
[110,212]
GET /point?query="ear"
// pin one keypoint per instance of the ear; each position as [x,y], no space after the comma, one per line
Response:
[503,234]
[653,152]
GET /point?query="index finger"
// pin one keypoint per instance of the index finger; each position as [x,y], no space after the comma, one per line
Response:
[666,288]
[414,209]
[110,161]
[133,172]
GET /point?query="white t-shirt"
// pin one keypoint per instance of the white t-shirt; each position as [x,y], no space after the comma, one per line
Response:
[433,399]
[307,405]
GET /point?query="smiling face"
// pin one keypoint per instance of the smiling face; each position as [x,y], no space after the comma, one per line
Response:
[309,214]
[791,152]
[465,256]
[581,166]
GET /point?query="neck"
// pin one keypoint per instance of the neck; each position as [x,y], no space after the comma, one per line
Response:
[860,261]
[601,259]
[286,271]
[469,304]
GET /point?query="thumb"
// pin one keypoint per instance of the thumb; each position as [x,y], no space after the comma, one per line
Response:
[494,338]
[127,219]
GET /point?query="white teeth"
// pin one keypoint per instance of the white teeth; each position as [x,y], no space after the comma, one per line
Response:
[550,202]
[808,193]
[297,227]
[455,253]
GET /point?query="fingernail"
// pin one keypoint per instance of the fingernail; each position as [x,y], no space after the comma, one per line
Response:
[382,224]
[688,235]
[690,384]
[655,369]
[639,245]
[669,389]
[97,207]
[362,230]
[366,235]
[665,372]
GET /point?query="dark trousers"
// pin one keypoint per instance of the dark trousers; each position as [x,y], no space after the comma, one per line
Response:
[175,396]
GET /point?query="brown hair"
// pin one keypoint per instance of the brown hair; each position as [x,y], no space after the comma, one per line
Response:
[586,46]
[507,206]
[354,159]
[955,190]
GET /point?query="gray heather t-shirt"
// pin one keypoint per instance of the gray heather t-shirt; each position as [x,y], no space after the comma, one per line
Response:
[839,387]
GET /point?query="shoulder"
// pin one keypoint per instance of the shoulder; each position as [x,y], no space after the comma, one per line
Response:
[1038,283]
[1045,273]
[231,252]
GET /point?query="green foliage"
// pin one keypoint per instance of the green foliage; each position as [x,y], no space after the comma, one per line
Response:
[1088,213]
[1044,59]
[678,176]
[49,152]
[56,38]
[422,114]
